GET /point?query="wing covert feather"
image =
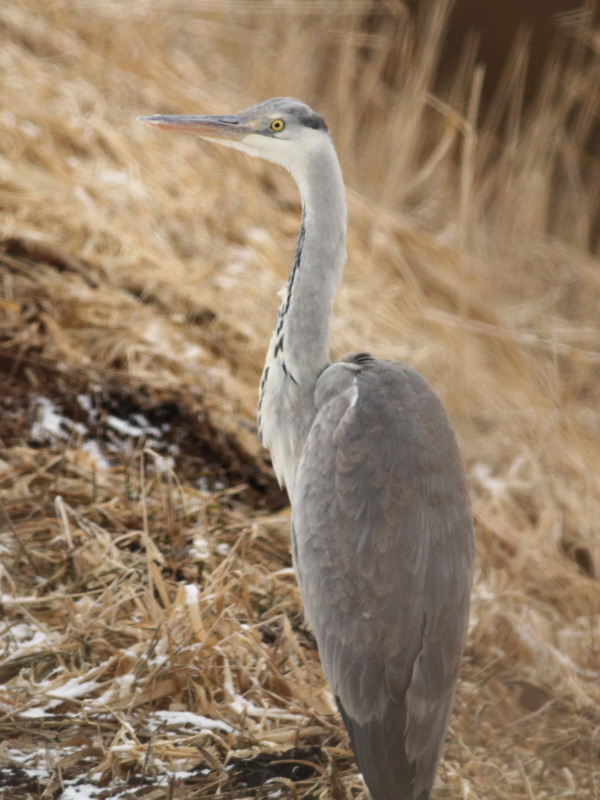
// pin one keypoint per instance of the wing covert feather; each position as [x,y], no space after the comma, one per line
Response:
[383,547]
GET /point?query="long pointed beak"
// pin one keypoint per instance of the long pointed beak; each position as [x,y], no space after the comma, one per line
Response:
[219,127]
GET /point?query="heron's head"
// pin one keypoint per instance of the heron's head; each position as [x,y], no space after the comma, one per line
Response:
[282,130]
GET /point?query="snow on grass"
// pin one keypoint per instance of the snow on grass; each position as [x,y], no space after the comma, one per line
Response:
[39,712]
[92,447]
[84,791]
[22,639]
[120,686]
[139,427]
[200,549]
[52,424]
[181,719]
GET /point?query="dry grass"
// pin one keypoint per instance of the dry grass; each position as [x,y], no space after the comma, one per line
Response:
[138,278]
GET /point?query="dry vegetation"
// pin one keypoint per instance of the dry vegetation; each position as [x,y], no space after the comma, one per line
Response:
[145,566]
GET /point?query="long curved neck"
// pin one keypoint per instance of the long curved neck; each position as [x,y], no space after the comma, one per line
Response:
[299,348]
[305,312]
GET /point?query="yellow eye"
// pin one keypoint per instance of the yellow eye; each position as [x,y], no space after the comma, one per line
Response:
[277,125]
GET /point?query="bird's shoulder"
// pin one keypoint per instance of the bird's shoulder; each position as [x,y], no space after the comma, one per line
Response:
[382,401]
[372,374]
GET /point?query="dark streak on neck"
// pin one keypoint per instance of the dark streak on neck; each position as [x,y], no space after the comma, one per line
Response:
[290,284]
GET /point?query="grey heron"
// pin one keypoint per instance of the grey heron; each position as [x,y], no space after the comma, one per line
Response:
[382,536]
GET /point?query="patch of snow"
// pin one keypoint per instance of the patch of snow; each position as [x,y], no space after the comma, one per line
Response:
[239,705]
[51,423]
[93,448]
[200,549]
[25,634]
[187,719]
[72,689]
[203,484]
[144,423]
[191,593]
[119,687]
[37,711]
[154,333]
[179,775]
[21,632]
[163,464]
[139,427]
[85,402]
[85,791]
[124,427]
[482,473]
[22,639]
[26,761]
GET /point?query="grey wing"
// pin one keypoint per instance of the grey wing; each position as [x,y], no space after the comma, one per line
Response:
[383,546]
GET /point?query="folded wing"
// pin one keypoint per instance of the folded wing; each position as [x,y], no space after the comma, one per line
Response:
[383,546]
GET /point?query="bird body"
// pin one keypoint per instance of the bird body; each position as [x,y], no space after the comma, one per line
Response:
[381,529]
[382,537]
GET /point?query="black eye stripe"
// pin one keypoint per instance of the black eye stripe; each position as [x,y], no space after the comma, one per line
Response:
[313,120]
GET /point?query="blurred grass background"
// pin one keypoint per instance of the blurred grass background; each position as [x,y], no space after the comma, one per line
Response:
[140,271]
